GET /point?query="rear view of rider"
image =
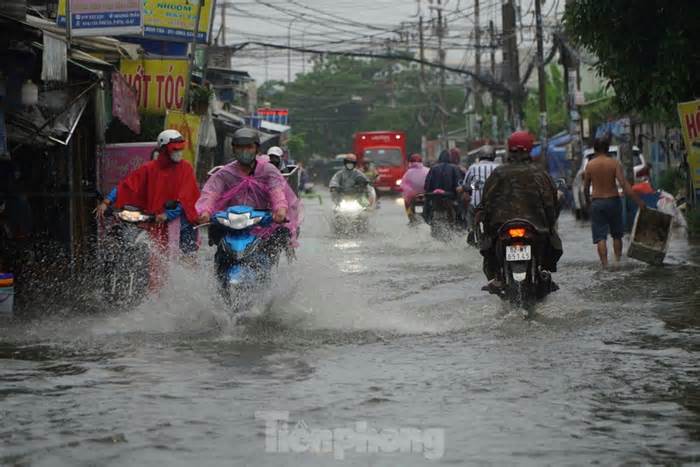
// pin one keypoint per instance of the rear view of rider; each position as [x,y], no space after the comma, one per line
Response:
[412,184]
[475,179]
[350,180]
[519,189]
[444,176]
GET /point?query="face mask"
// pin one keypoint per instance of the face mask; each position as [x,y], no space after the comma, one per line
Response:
[245,157]
[176,156]
[349,165]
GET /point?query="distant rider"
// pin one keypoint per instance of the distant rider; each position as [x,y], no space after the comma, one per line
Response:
[167,177]
[251,181]
[351,181]
[412,184]
[474,181]
[519,189]
[276,156]
[443,176]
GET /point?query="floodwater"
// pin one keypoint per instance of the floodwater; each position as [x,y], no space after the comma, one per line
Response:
[379,351]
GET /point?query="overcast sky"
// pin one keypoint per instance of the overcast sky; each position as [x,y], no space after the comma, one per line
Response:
[361,25]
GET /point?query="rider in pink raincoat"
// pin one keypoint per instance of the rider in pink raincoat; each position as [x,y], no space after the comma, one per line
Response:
[412,184]
[252,181]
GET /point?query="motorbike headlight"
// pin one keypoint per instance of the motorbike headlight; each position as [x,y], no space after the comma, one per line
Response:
[238,221]
[242,221]
[132,216]
[349,206]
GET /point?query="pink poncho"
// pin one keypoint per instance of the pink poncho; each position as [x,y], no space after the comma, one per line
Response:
[413,181]
[265,188]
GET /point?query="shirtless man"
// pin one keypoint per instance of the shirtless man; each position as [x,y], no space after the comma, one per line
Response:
[605,173]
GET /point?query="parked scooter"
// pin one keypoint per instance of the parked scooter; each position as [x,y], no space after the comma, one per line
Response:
[519,249]
[244,259]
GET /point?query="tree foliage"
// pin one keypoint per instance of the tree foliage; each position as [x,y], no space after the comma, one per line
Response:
[344,95]
[556,104]
[646,48]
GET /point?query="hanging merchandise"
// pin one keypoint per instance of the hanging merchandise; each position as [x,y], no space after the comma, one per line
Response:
[55,59]
[30,93]
[124,103]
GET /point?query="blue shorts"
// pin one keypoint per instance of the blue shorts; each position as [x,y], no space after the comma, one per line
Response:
[606,217]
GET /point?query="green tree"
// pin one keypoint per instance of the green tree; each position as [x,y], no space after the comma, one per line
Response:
[556,104]
[646,48]
[342,95]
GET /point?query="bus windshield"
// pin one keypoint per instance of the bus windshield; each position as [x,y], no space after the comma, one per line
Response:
[384,157]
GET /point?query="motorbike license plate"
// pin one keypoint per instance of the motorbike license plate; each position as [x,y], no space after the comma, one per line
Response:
[518,253]
[419,209]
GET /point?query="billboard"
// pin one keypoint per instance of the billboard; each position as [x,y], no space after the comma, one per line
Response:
[189,126]
[159,83]
[119,160]
[167,20]
[689,113]
[106,18]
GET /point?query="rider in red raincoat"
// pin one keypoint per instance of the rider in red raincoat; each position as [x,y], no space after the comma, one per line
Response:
[167,178]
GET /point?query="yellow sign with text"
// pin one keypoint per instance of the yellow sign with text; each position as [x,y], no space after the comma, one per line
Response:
[689,113]
[159,84]
[167,20]
[189,126]
[174,19]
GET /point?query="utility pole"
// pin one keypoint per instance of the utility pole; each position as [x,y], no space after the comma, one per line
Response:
[494,115]
[422,49]
[512,64]
[477,69]
[193,50]
[441,57]
[541,82]
[289,49]
[223,23]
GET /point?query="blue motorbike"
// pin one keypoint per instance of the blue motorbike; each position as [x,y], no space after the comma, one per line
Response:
[244,260]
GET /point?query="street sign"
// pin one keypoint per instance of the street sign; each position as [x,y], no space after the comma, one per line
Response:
[166,20]
[159,83]
[91,18]
[689,113]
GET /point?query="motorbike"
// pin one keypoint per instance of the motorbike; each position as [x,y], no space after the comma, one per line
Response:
[519,249]
[350,214]
[244,260]
[126,257]
[415,209]
[441,215]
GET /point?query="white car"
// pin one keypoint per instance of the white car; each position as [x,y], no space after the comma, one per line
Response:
[581,208]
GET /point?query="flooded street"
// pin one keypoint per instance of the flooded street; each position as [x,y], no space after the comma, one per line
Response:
[361,336]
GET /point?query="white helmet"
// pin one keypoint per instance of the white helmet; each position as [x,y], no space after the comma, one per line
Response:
[275,151]
[170,136]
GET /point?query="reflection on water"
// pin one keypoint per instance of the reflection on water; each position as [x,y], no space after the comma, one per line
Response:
[390,328]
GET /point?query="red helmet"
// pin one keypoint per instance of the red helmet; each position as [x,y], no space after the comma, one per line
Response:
[521,141]
[416,158]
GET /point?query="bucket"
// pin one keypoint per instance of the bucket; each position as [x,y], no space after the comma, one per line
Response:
[650,236]
[7,300]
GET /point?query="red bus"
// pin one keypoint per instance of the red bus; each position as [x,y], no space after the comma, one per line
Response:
[387,149]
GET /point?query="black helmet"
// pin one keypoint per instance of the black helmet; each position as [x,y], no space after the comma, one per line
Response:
[245,136]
